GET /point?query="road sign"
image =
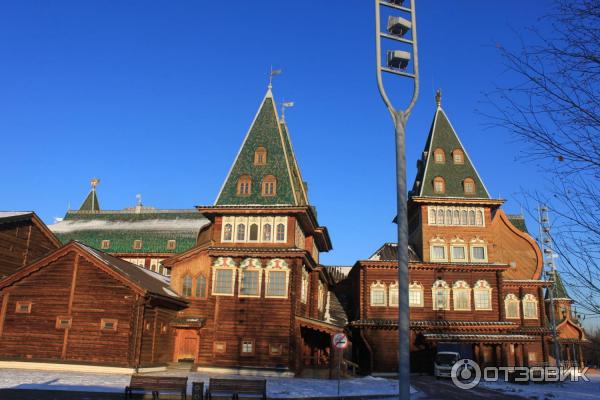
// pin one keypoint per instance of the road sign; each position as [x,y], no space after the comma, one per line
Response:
[340,341]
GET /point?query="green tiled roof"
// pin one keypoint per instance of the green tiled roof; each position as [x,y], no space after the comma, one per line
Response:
[91,203]
[266,131]
[560,291]
[442,135]
[153,227]
[518,221]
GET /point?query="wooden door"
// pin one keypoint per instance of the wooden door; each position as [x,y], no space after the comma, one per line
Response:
[186,345]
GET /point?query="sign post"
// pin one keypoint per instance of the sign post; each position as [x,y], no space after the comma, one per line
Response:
[340,342]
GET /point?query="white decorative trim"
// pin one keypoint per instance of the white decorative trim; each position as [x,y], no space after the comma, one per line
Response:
[482,286]
[510,299]
[223,264]
[530,298]
[416,287]
[461,287]
[440,285]
[250,265]
[379,287]
[277,265]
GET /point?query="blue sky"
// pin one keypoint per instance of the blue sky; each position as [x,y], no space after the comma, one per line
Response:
[155,98]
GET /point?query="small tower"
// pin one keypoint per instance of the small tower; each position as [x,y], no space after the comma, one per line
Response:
[91,204]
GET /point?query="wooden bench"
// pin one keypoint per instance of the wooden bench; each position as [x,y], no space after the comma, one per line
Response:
[236,388]
[156,385]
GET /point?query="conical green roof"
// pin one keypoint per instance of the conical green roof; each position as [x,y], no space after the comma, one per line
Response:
[267,132]
[90,203]
[443,136]
[560,291]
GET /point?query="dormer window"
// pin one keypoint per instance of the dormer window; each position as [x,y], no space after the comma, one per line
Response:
[269,186]
[458,156]
[105,244]
[260,156]
[469,186]
[439,156]
[439,185]
[244,185]
[171,244]
[137,244]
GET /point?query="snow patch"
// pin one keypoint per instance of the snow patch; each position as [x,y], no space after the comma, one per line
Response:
[147,225]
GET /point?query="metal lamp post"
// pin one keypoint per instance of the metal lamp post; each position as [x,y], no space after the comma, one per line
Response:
[397,63]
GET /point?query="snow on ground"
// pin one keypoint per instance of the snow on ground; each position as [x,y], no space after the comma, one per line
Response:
[277,387]
[551,391]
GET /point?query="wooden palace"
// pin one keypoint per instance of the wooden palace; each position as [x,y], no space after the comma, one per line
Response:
[239,284]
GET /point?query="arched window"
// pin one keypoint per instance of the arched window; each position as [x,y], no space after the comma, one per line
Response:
[440,217]
[439,156]
[415,295]
[463,217]
[253,232]
[471,217]
[462,296]
[478,250]
[456,218]
[432,215]
[186,290]
[200,287]
[277,275]
[469,186]
[241,233]
[280,233]
[244,185]
[437,248]
[378,295]
[269,186]
[449,217]
[482,292]
[530,307]
[511,306]
[479,218]
[458,156]
[227,232]
[439,185]
[260,156]
[267,234]
[393,294]
[440,293]
[250,278]
[458,250]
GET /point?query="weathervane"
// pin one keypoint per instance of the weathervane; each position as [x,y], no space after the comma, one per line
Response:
[438,97]
[272,74]
[94,182]
[284,105]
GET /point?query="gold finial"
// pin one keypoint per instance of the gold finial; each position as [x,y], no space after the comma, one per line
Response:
[94,182]
[438,97]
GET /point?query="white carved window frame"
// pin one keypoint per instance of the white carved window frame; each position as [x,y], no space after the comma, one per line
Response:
[530,299]
[223,264]
[415,287]
[277,265]
[250,265]
[378,287]
[434,242]
[482,286]
[478,243]
[461,288]
[440,286]
[393,289]
[508,300]
[458,243]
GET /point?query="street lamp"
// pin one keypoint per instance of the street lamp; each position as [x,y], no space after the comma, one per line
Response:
[397,63]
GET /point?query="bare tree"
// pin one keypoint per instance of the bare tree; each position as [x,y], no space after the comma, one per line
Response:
[552,104]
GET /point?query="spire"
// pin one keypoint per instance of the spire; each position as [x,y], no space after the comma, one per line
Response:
[266,153]
[443,138]
[560,291]
[91,204]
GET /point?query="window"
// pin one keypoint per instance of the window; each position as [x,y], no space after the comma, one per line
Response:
[244,185]
[458,250]
[469,186]
[275,349]
[511,306]
[438,249]
[186,287]
[171,244]
[479,218]
[458,156]
[137,244]
[63,322]
[250,274]
[260,156]
[463,217]
[439,156]
[228,233]
[482,292]
[269,186]
[462,296]
[471,217]
[440,217]
[304,287]
[267,233]
[253,232]
[456,218]
[415,295]
[241,233]
[393,293]
[378,298]
[449,217]
[280,232]
[23,307]
[219,347]
[440,293]
[530,307]
[277,273]
[223,276]
[247,347]
[439,185]
[200,287]
[105,244]
[108,324]
[478,250]
[432,215]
